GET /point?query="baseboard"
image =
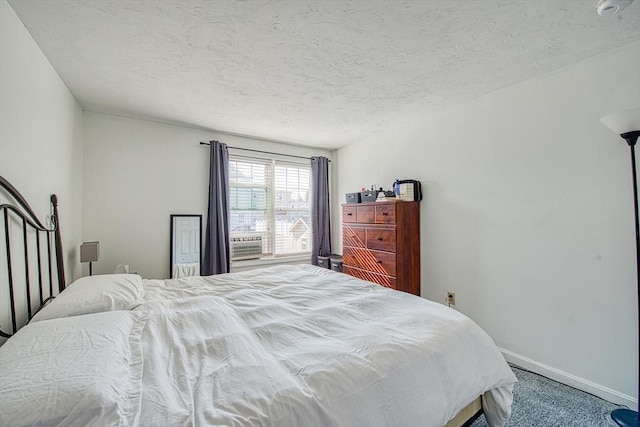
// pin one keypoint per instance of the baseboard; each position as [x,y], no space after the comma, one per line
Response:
[602,392]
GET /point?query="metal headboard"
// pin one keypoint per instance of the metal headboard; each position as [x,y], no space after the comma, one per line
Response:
[25,279]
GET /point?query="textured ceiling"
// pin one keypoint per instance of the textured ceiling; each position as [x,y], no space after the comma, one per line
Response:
[318,73]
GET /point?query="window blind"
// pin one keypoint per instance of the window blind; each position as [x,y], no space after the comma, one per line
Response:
[270,208]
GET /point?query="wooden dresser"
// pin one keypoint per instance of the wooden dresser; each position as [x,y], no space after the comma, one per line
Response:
[381,243]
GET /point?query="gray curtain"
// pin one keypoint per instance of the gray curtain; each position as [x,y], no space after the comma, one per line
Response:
[217,250]
[320,215]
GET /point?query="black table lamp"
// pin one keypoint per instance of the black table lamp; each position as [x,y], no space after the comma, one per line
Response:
[89,252]
[627,125]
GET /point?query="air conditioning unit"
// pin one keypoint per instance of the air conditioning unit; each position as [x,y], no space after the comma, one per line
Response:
[246,247]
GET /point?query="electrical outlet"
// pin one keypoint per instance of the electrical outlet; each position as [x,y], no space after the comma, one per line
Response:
[451,298]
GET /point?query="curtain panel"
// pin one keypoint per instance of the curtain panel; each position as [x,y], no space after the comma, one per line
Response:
[217,246]
[320,214]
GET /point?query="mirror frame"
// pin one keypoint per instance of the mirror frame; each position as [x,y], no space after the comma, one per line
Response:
[172,218]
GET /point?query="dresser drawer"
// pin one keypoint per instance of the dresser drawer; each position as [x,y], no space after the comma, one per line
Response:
[369,214]
[374,261]
[388,281]
[366,214]
[353,236]
[349,213]
[385,214]
[383,239]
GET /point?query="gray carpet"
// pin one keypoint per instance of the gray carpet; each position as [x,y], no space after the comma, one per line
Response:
[541,402]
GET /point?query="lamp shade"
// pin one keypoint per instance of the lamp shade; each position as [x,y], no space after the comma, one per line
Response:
[89,251]
[623,121]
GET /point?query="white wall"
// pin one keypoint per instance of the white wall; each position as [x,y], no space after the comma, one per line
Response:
[136,174]
[528,216]
[40,133]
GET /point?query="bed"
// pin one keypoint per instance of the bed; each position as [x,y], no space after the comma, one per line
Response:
[278,346]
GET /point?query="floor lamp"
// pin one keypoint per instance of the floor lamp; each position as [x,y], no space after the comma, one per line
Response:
[627,125]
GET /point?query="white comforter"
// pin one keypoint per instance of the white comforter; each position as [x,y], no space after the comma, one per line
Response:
[304,346]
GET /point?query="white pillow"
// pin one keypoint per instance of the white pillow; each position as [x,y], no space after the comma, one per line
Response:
[94,294]
[76,371]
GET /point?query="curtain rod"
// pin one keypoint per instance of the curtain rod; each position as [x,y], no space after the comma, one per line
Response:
[264,152]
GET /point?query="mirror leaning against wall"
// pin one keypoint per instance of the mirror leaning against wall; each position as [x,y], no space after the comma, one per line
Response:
[186,234]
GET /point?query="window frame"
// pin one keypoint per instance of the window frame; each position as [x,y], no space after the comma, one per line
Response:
[271,254]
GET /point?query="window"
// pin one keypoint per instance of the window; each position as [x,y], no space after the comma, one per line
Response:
[270,208]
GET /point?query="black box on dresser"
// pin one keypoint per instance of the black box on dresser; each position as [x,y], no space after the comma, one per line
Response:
[352,198]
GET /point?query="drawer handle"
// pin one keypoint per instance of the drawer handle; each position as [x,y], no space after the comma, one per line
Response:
[379,239]
[349,214]
[385,213]
[378,261]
